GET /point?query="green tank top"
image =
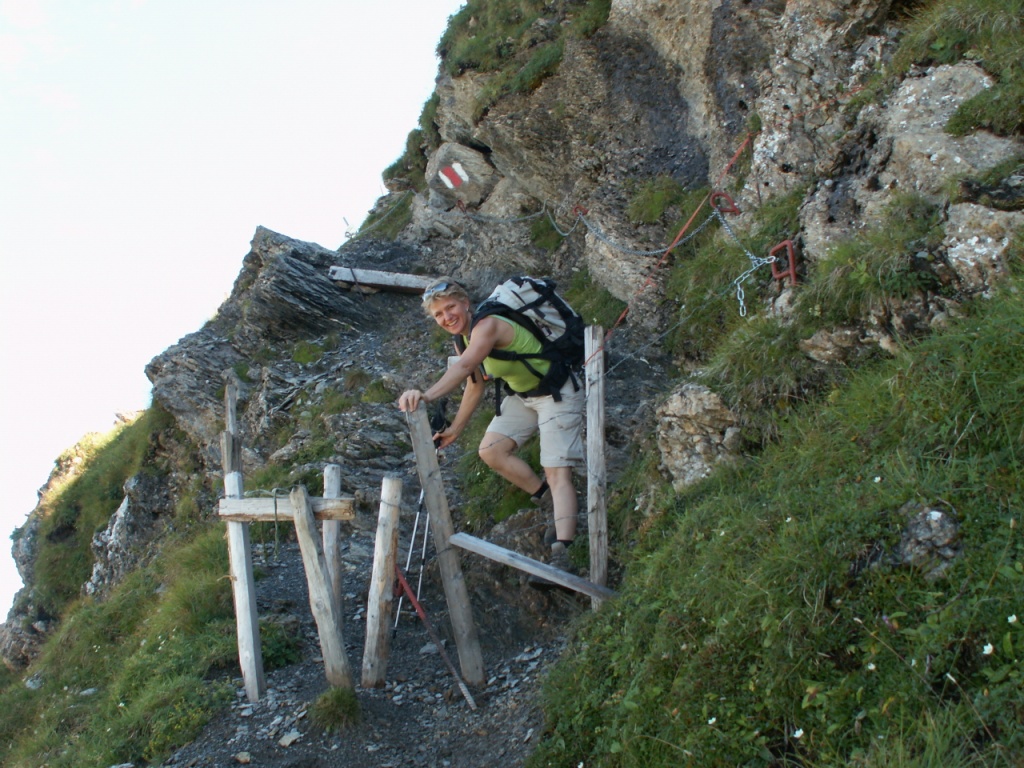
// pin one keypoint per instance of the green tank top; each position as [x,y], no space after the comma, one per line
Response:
[513,372]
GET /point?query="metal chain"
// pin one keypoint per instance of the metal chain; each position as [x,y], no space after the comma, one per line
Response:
[496,220]
[756,262]
[604,239]
[558,229]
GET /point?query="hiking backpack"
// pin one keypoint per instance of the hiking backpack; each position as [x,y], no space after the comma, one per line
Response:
[533,303]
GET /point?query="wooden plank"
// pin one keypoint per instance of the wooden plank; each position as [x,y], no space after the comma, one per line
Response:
[394,281]
[332,533]
[321,599]
[597,509]
[243,584]
[266,509]
[382,585]
[524,563]
[470,658]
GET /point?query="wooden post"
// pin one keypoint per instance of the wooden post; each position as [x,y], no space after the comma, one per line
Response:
[321,597]
[470,658]
[597,510]
[332,534]
[243,584]
[382,585]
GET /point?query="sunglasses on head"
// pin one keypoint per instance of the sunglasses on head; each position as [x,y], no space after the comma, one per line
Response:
[435,289]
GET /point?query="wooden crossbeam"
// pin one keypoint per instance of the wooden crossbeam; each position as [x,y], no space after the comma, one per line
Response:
[369,278]
[524,563]
[267,510]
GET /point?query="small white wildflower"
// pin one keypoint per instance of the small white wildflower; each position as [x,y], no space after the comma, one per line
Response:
[913,662]
[988,650]
[1012,619]
[878,478]
[951,678]
[871,666]
[798,733]
[712,721]
[789,519]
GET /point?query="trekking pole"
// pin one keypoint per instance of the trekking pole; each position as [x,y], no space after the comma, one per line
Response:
[434,636]
[423,560]
[438,422]
[408,560]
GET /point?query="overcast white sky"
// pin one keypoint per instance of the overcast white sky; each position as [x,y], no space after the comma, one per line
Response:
[141,144]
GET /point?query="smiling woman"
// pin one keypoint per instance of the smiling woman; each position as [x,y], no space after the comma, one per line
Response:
[141,146]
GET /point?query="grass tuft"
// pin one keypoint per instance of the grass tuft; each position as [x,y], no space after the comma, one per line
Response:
[871,270]
[990,32]
[653,198]
[307,352]
[595,304]
[337,709]
[545,235]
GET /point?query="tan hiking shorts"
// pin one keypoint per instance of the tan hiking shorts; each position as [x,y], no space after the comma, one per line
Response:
[560,424]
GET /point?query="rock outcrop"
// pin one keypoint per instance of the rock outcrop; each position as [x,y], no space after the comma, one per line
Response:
[696,431]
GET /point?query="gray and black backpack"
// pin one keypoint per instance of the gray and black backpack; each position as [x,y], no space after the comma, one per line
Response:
[534,304]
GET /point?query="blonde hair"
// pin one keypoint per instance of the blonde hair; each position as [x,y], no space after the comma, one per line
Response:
[443,288]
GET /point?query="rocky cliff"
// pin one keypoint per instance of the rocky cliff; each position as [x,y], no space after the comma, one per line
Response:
[760,99]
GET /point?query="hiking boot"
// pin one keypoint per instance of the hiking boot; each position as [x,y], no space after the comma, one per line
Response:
[559,559]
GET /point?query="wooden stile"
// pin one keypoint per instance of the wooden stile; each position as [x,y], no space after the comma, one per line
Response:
[377,649]
[597,510]
[466,641]
[321,596]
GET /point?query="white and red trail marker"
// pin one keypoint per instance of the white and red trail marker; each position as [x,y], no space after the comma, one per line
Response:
[453,175]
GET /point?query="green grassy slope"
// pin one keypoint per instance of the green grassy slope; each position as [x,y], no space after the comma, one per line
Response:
[763,621]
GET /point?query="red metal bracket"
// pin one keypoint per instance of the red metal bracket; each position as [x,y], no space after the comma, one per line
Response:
[579,210]
[715,196]
[790,270]
[461,205]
